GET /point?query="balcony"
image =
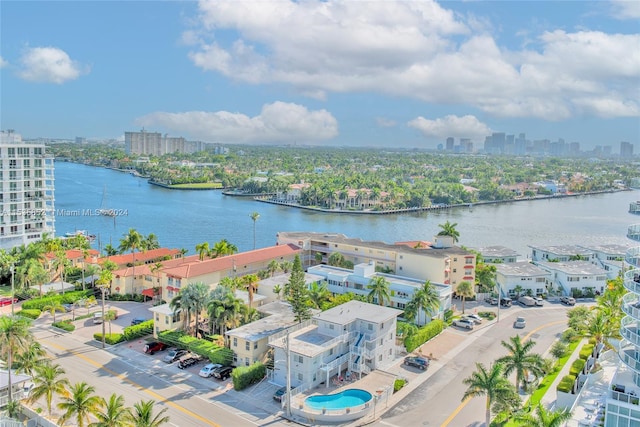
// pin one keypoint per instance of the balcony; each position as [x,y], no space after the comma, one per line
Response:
[631,305]
[632,281]
[632,256]
[630,356]
[633,232]
[629,330]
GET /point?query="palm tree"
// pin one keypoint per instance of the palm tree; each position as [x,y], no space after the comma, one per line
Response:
[286,266]
[26,361]
[318,294]
[131,241]
[520,360]
[15,338]
[81,403]
[225,311]
[490,383]
[544,417]
[277,289]
[379,290]
[109,316]
[150,242]
[273,267]
[254,217]
[203,250]
[600,327]
[250,284]
[54,307]
[49,380]
[143,415]
[465,290]
[181,304]
[114,413]
[198,294]
[425,299]
[449,229]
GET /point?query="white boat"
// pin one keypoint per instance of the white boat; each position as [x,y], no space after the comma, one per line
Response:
[82,233]
[103,207]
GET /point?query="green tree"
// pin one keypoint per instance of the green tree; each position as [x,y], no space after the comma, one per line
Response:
[114,413]
[254,217]
[379,290]
[203,250]
[286,266]
[143,415]
[277,289]
[81,403]
[197,296]
[15,338]
[521,360]
[490,383]
[225,310]
[449,229]
[110,316]
[49,381]
[150,242]
[273,267]
[543,417]
[318,295]
[131,241]
[53,307]
[296,292]
[336,259]
[465,290]
[425,299]
[250,284]
[486,276]
[26,361]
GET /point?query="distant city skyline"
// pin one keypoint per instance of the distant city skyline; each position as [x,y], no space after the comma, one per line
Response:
[391,74]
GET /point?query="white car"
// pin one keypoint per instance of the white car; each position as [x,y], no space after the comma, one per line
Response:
[207,370]
[520,322]
[539,301]
[464,323]
[474,318]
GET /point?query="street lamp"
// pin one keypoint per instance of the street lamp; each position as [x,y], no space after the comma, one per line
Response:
[13,296]
[104,290]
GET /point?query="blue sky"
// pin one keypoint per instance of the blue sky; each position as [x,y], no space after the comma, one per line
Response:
[372,73]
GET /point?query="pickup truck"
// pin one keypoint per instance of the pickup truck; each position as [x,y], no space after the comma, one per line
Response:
[154,346]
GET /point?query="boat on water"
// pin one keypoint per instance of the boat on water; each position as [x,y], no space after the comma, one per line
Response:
[82,233]
[634,207]
[103,207]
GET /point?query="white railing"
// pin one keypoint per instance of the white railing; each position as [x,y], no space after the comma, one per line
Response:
[336,362]
[632,256]
[360,367]
[633,232]
[629,330]
[290,329]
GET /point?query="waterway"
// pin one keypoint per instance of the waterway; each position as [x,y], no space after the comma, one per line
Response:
[183,219]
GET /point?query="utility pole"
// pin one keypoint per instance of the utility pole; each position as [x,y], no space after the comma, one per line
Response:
[13,293]
[103,289]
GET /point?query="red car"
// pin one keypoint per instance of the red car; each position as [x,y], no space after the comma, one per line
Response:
[7,301]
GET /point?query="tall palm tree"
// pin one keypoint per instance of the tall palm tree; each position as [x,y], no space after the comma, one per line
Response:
[273,267]
[114,413]
[379,290]
[53,307]
[600,327]
[15,338]
[544,417]
[490,383]
[286,266]
[198,295]
[150,242]
[26,361]
[254,217]
[449,229]
[181,304]
[521,360]
[465,290]
[318,294]
[203,250]
[49,381]
[131,241]
[143,415]
[81,403]
[425,299]
[250,284]
[225,312]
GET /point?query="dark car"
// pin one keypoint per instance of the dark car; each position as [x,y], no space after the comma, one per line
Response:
[188,361]
[279,394]
[493,301]
[223,372]
[173,355]
[137,321]
[505,302]
[417,362]
[154,346]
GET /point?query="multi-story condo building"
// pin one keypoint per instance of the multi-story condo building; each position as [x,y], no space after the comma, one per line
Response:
[156,144]
[530,279]
[439,262]
[356,337]
[498,254]
[402,289]
[561,253]
[579,275]
[610,257]
[27,205]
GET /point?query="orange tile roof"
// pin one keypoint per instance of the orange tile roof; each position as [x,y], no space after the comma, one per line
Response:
[416,244]
[140,256]
[73,254]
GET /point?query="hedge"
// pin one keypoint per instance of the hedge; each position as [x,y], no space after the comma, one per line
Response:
[65,325]
[110,339]
[566,383]
[586,351]
[577,366]
[32,313]
[244,376]
[67,298]
[423,335]
[398,384]
[204,348]
[136,331]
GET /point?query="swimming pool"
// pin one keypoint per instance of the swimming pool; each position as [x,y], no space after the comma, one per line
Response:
[345,399]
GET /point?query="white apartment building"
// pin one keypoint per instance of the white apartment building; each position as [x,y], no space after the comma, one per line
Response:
[356,336]
[581,275]
[27,205]
[610,257]
[401,289]
[156,144]
[498,254]
[529,277]
[560,253]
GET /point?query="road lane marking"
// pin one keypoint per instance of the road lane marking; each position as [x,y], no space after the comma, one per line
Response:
[466,401]
[146,390]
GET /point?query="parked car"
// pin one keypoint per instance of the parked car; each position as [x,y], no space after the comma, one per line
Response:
[97,318]
[464,323]
[568,300]
[539,301]
[279,394]
[188,361]
[520,323]
[421,363]
[474,317]
[223,372]
[154,346]
[207,370]
[527,301]
[173,355]
[493,300]
[505,302]
[67,307]
[137,320]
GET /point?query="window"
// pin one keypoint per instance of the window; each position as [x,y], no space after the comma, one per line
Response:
[381,341]
[380,358]
[246,361]
[331,326]
[247,345]
[300,377]
[299,358]
[235,342]
[255,345]
[370,326]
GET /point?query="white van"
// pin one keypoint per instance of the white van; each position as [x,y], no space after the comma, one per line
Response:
[527,301]
[97,318]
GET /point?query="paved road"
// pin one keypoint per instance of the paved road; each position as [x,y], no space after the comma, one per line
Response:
[437,402]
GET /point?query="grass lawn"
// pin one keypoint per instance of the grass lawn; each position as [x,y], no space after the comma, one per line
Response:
[5,291]
[199,185]
[546,382]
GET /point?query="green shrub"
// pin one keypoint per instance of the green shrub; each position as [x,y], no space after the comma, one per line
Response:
[110,339]
[65,325]
[127,297]
[577,366]
[136,331]
[489,315]
[424,334]
[244,376]
[566,383]
[67,298]
[31,313]
[569,335]
[586,351]
[204,348]
[558,349]
[398,384]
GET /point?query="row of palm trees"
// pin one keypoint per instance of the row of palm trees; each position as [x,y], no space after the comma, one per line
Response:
[77,402]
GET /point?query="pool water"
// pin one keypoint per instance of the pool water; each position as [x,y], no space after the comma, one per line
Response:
[344,399]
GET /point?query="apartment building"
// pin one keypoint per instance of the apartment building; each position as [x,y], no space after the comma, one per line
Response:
[523,277]
[561,253]
[356,337]
[498,254]
[610,257]
[156,144]
[401,289]
[583,276]
[27,203]
[439,262]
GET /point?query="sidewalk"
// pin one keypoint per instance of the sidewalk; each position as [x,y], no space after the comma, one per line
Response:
[549,399]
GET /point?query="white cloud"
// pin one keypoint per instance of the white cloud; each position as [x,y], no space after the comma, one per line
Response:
[417,49]
[385,123]
[48,65]
[277,122]
[626,9]
[457,127]
[3,63]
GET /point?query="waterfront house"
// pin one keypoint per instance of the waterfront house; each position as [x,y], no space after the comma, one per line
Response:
[521,277]
[354,337]
[609,256]
[561,253]
[575,277]
[498,254]
[401,289]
